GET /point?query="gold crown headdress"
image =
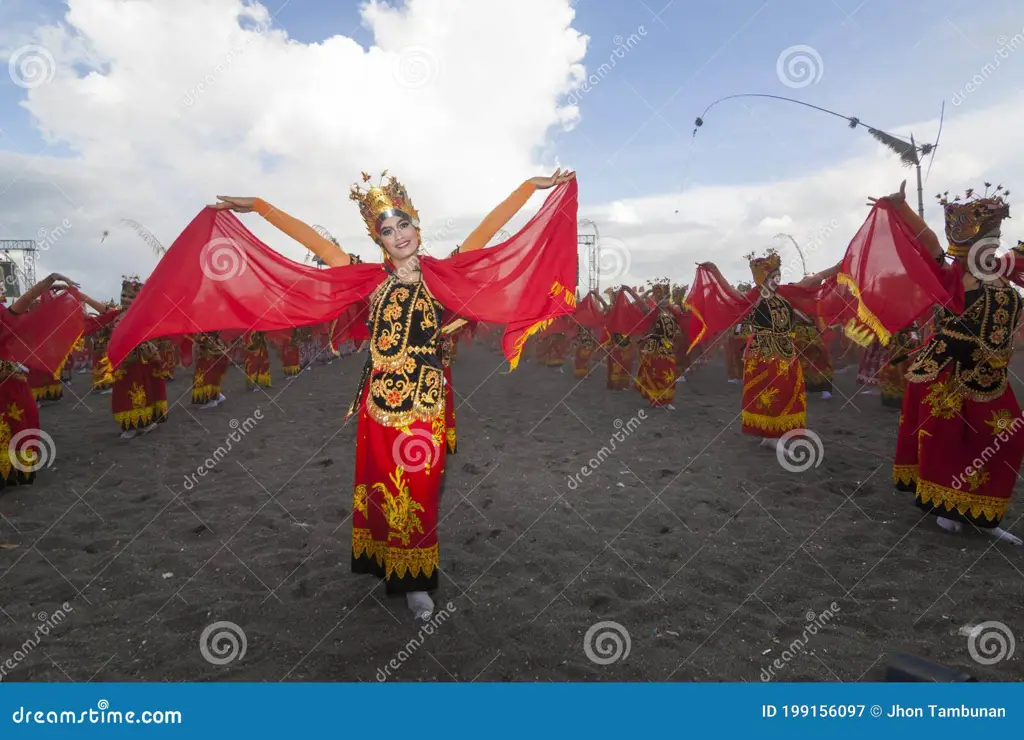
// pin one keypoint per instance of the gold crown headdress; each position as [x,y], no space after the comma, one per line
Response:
[973,216]
[762,267]
[381,202]
[130,286]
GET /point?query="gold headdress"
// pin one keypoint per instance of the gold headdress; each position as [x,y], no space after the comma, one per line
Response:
[381,202]
[974,216]
[762,267]
[660,288]
[130,287]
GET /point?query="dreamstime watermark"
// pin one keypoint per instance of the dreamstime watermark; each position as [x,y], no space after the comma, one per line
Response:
[606,643]
[407,651]
[416,67]
[31,66]
[222,643]
[241,429]
[799,450]
[49,622]
[222,259]
[799,66]
[817,623]
[985,262]
[1003,427]
[622,47]
[430,238]
[416,450]
[224,65]
[613,259]
[811,243]
[31,450]
[1006,47]
[605,452]
[991,642]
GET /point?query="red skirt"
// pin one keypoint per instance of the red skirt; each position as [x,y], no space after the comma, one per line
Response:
[449,412]
[45,387]
[893,382]
[581,362]
[290,359]
[139,397]
[208,376]
[395,502]
[734,347]
[656,378]
[683,358]
[102,373]
[257,367]
[620,368]
[959,457]
[19,423]
[816,364]
[774,396]
[551,350]
[872,361]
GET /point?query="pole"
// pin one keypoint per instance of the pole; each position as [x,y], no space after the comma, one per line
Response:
[920,193]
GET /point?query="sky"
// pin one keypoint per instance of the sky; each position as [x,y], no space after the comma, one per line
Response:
[148,109]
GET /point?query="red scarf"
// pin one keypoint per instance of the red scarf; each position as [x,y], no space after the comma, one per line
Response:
[42,338]
[217,275]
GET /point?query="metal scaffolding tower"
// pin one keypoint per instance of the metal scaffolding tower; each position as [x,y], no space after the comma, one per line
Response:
[592,251]
[21,254]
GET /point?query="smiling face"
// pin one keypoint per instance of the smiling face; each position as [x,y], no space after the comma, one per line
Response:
[399,238]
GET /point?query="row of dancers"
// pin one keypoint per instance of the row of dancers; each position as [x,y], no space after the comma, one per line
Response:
[939,324]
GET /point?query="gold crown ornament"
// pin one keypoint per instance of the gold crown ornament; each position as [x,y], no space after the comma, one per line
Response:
[130,287]
[762,267]
[381,202]
[972,216]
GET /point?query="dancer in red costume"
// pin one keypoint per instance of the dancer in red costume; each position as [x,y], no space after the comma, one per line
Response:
[959,447]
[139,395]
[212,361]
[400,453]
[656,375]
[257,360]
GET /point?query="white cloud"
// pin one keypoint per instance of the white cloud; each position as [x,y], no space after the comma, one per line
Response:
[166,105]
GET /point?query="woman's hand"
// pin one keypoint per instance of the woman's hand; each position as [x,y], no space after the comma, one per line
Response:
[895,198]
[543,183]
[56,277]
[231,203]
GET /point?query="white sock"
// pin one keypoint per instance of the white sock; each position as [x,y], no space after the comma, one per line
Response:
[1001,534]
[107,392]
[421,604]
[128,434]
[670,407]
[210,404]
[221,398]
[950,525]
[150,428]
[825,395]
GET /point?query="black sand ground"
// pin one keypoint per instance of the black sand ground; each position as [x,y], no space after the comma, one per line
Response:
[698,543]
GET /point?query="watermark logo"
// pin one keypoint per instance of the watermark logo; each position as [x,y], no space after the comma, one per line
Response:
[625,429]
[222,643]
[48,622]
[440,617]
[240,429]
[799,66]
[984,261]
[815,624]
[799,450]
[991,642]
[222,259]
[30,450]
[622,47]
[416,67]
[31,66]
[1003,426]
[1006,47]
[606,643]
[613,259]
[416,450]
